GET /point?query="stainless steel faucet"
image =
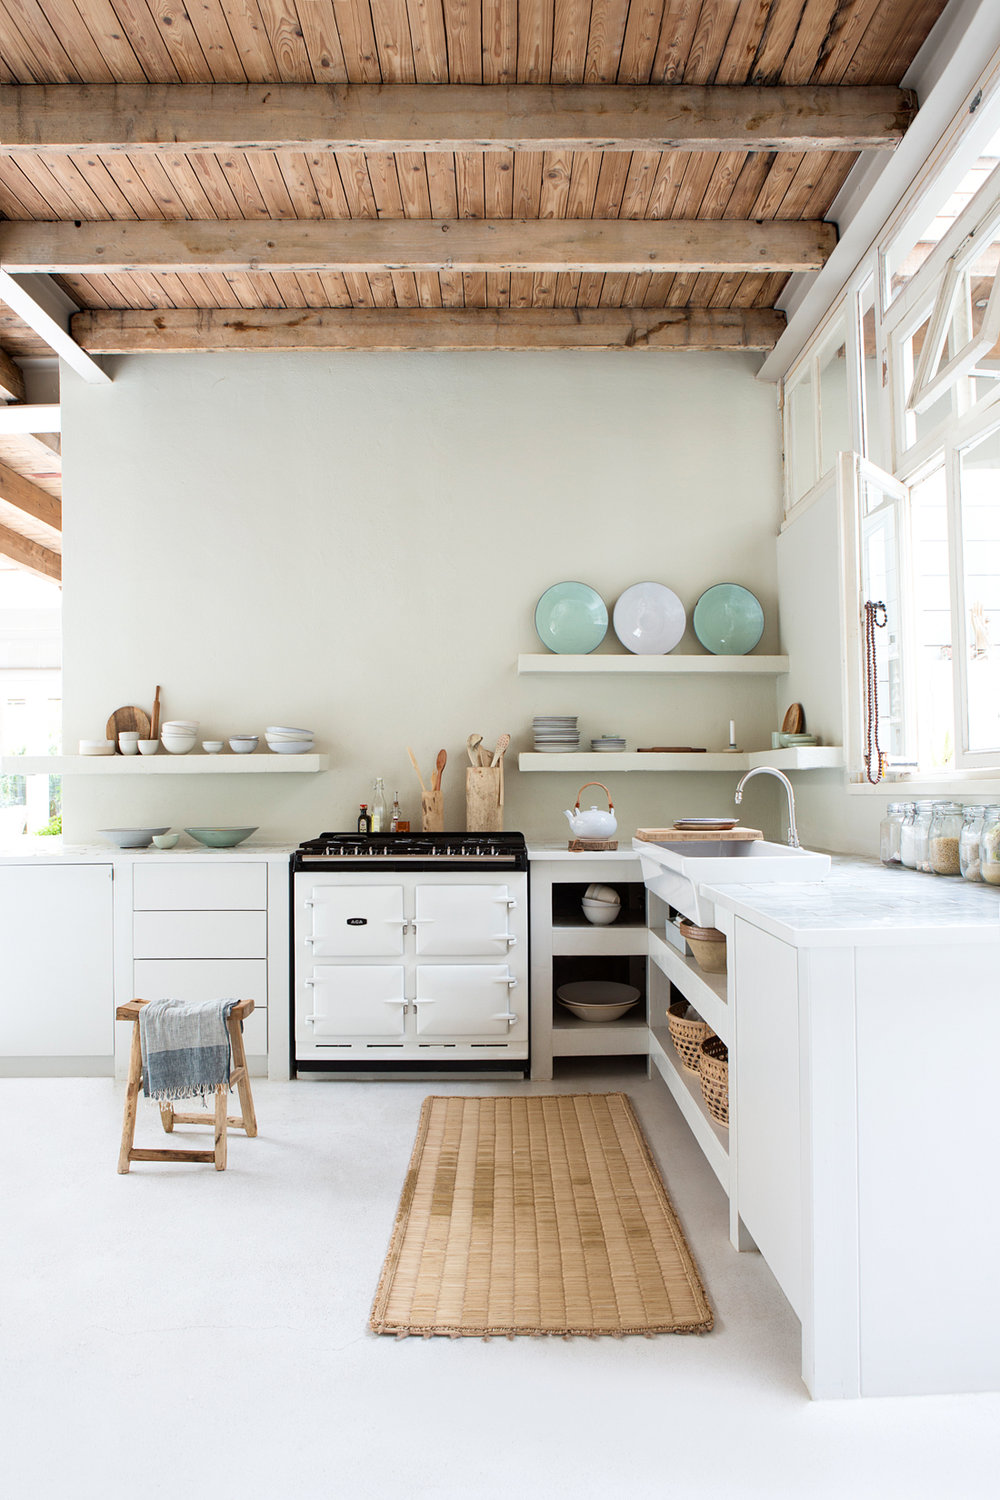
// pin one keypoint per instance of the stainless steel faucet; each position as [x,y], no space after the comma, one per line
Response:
[793,837]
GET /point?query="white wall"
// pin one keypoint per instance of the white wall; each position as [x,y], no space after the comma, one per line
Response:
[356,543]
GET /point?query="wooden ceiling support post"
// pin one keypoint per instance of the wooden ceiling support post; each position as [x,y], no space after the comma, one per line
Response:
[30,555]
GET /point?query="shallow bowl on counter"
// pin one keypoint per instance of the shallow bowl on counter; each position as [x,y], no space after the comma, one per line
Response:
[244,744]
[97,747]
[290,747]
[165,840]
[220,838]
[131,838]
[598,999]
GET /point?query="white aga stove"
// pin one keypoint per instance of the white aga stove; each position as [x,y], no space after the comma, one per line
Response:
[410,952]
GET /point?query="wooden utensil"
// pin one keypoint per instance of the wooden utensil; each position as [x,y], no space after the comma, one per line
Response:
[500,751]
[439,765]
[154,722]
[413,763]
[472,745]
[671,750]
[131,720]
[794,721]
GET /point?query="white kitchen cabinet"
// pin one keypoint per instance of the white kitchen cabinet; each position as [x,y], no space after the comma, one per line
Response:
[209,979]
[199,934]
[199,886]
[57,996]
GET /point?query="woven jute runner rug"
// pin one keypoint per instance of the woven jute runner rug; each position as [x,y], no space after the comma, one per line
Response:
[536,1215]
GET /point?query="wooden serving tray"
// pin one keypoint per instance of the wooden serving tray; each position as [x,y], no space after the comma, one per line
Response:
[697,835]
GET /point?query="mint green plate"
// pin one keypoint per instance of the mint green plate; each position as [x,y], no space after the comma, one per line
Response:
[728,620]
[571,618]
[220,838]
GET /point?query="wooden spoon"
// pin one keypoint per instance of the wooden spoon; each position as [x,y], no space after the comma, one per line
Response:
[501,749]
[440,763]
[413,763]
[472,745]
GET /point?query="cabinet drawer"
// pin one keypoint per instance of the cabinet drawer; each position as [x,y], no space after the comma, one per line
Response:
[199,934]
[209,979]
[199,887]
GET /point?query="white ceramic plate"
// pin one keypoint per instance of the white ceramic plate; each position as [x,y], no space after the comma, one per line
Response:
[706,822]
[649,619]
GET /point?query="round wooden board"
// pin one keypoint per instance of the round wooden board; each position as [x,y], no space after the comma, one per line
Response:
[794,721]
[129,719]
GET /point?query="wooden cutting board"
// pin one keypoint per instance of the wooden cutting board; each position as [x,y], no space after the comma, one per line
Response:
[129,719]
[794,721]
[696,835]
[671,750]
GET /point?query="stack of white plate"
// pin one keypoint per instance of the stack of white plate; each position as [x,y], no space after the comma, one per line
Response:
[608,742]
[286,740]
[555,733]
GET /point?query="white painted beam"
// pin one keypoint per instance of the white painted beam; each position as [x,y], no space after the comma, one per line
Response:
[46,308]
[41,417]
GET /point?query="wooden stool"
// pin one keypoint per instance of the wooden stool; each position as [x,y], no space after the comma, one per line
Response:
[169,1116]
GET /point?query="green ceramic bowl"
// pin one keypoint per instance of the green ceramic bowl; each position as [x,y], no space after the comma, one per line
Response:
[728,620]
[571,618]
[220,838]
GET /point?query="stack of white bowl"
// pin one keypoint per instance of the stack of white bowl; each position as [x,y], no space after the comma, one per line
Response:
[601,905]
[284,740]
[178,735]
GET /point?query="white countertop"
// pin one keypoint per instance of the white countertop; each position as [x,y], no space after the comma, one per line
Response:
[559,851]
[862,902]
[47,851]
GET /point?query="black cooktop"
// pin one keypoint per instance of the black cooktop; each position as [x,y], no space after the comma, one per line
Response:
[339,850]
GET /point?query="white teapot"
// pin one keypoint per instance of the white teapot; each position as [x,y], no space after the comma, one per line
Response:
[594,823]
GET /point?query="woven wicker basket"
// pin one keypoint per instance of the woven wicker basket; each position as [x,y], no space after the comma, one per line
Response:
[715,1078]
[687,1032]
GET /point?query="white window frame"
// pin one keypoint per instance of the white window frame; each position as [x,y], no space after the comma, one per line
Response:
[967,435]
[929,381]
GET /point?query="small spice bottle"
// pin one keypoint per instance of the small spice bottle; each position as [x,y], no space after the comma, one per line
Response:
[968,842]
[889,834]
[946,830]
[989,846]
[922,835]
[907,836]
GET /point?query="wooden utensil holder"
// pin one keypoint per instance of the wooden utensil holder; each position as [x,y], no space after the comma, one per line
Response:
[432,812]
[484,799]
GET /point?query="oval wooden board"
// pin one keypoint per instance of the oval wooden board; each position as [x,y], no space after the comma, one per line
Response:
[794,721]
[129,719]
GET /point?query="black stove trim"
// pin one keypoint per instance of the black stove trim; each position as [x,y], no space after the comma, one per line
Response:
[501,851]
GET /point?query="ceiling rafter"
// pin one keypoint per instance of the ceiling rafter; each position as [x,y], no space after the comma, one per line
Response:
[82,118]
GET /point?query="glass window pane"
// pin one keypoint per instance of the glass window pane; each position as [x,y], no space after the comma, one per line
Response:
[932,620]
[835,417]
[980,505]
[874,446]
[919,425]
[913,245]
[800,444]
[881,583]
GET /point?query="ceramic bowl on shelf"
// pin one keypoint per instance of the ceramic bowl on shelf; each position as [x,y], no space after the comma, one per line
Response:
[177,744]
[284,732]
[244,744]
[148,747]
[97,747]
[211,747]
[600,913]
[290,747]
[183,724]
[598,999]
[220,838]
[131,838]
[165,840]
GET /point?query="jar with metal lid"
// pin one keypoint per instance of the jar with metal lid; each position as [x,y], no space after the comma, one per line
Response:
[946,830]
[922,835]
[889,833]
[989,846]
[907,847]
[968,842]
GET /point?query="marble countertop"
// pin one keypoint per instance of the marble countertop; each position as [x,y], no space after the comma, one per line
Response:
[46,851]
[863,902]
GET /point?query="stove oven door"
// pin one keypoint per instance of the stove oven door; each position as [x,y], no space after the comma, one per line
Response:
[354,921]
[351,1001]
[469,1000]
[463,921]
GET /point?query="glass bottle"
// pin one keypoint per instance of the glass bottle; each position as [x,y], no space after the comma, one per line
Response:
[989,845]
[364,819]
[394,818]
[946,830]
[380,813]
[907,834]
[889,833]
[922,835]
[968,842]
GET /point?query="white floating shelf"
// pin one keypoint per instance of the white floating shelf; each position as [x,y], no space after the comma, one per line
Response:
[809,758]
[706,992]
[686,1090]
[550,661]
[163,764]
[573,1037]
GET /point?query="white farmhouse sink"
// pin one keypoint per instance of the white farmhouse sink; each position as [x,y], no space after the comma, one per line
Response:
[676,874]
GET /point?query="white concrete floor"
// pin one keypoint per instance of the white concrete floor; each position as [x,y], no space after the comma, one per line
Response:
[178,1330]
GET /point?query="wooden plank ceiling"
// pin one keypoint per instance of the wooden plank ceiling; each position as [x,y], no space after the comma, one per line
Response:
[431,119]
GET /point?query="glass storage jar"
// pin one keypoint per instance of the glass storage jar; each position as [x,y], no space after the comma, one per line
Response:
[946,830]
[922,835]
[907,845]
[889,833]
[989,846]
[968,842]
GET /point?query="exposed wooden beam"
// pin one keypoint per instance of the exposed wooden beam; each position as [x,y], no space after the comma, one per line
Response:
[46,308]
[30,555]
[363,245]
[448,117]
[27,497]
[38,417]
[11,379]
[186,330]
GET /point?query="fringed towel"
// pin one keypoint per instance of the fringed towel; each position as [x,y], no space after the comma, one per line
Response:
[185,1048]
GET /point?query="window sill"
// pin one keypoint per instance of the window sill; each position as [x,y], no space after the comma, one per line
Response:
[962,785]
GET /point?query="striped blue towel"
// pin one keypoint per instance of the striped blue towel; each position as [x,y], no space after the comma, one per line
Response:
[185,1048]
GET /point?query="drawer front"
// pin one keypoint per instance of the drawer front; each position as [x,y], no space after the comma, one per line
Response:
[199,887]
[209,979]
[199,934]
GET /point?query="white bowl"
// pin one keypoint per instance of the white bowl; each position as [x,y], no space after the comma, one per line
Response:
[97,747]
[191,724]
[211,747]
[290,747]
[131,838]
[244,744]
[602,893]
[165,840]
[283,731]
[177,746]
[148,747]
[601,913]
[598,999]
